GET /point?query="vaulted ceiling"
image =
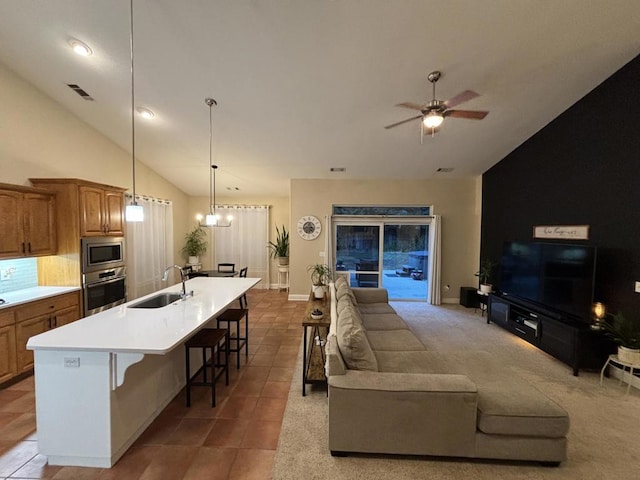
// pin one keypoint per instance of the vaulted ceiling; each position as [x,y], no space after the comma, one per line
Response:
[306,85]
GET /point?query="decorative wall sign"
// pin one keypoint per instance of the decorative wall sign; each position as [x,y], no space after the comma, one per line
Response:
[562,232]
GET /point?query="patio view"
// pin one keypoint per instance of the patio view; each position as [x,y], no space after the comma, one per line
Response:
[404,257]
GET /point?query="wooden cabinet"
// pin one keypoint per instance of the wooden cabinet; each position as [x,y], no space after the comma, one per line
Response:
[26,329]
[85,209]
[28,219]
[101,212]
[18,324]
[8,365]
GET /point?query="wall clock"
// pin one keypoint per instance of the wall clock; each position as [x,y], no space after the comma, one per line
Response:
[309,227]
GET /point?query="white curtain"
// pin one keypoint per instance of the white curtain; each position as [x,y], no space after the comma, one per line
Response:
[433,296]
[245,241]
[149,247]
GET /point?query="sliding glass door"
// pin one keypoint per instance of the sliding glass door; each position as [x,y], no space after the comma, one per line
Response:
[384,253]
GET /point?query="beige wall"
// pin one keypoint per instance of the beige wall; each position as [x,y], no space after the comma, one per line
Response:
[278,215]
[39,138]
[457,201]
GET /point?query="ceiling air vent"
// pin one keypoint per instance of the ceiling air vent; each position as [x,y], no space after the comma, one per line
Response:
[80,91]
[445,169]
[337,169]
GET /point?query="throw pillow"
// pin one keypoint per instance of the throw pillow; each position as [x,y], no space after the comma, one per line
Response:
[352,341]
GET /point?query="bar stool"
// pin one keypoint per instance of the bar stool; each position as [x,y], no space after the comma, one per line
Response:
[236,315]
[213,339]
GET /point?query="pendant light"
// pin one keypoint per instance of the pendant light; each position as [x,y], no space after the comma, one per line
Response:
[212,219]
[133,212]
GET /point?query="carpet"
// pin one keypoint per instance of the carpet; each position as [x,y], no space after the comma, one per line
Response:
[604,422]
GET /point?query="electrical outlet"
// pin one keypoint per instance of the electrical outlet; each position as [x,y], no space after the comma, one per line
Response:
[71,362]
[321,254]
[637,287]
[7,273]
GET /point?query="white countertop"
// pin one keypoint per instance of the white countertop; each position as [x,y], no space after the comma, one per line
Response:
[147,330]
[30,294]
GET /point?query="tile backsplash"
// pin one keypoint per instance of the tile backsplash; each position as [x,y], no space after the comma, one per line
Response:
[18,274]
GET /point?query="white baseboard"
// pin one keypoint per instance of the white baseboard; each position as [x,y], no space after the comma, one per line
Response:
[298,298]
[451,300]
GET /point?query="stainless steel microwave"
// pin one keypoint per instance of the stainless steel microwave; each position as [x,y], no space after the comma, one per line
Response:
[100,253]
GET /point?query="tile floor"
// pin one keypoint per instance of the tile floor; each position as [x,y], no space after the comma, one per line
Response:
[236,440]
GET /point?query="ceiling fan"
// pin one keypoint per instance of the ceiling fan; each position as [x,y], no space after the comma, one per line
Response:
[434,112]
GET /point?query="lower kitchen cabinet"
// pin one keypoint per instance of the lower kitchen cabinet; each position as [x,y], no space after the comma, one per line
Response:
[25,330]
[8,365]
[18,324]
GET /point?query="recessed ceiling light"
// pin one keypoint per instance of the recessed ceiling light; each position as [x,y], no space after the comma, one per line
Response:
[337,169]
[80,48]
[445,169]
[145,113]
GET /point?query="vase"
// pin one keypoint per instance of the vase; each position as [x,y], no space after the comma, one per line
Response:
[629,355]
[485,288]
[318,291]
[194,260]
[282,261]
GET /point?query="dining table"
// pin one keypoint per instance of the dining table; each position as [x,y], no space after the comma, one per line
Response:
[216,273]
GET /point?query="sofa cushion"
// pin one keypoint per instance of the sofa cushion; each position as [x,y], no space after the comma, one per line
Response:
[343,290]
[520,409]
[383,321]
[345,302]
[375,308]
[352,341]
[425,361]
[396,340]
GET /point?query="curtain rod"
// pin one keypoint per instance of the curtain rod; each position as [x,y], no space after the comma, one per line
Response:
[149,199]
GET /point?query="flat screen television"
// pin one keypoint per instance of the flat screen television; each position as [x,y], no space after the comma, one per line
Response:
[559,277]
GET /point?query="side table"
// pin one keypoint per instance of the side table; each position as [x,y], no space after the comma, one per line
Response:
[625,365]
[483,298]
[313,358]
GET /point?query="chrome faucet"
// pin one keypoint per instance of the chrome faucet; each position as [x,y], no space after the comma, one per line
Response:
[165,275]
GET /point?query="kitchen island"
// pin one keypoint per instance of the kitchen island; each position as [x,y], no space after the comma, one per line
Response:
[102,380]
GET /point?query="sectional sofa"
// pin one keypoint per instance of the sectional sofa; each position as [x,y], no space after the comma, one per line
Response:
[389,394]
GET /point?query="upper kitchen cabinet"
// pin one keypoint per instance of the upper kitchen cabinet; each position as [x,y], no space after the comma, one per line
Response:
[28,218]
[100,208]
[101,212]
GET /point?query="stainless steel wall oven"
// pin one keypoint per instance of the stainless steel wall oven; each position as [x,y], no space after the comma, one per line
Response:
[103,273]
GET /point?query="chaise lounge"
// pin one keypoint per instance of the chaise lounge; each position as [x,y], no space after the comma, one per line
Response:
[388,394]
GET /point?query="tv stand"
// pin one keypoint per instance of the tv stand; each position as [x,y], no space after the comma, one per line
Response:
[572,342]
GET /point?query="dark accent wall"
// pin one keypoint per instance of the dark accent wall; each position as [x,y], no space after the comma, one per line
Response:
[582,168]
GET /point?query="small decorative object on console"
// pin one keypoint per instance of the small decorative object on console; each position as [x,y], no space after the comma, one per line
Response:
[316,314]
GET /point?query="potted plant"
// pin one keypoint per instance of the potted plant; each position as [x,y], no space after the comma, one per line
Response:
[195,245]
[486,269]
[280,248]
[320,276]
[626,333]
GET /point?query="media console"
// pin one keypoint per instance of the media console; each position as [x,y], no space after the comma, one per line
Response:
[572,342]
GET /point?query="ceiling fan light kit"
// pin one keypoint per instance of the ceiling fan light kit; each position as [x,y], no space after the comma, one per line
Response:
[434,112]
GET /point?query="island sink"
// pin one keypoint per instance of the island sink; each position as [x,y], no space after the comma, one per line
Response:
[157,301]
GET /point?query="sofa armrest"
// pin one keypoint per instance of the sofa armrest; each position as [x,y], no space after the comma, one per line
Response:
[403,382]
[402,413]
[371,295]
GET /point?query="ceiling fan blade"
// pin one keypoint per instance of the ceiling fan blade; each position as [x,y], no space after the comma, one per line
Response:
[403,121]
[469,114]
[412,106]
[461,98]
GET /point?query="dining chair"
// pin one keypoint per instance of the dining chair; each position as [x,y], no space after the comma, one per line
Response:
[226,267]
[243,298]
